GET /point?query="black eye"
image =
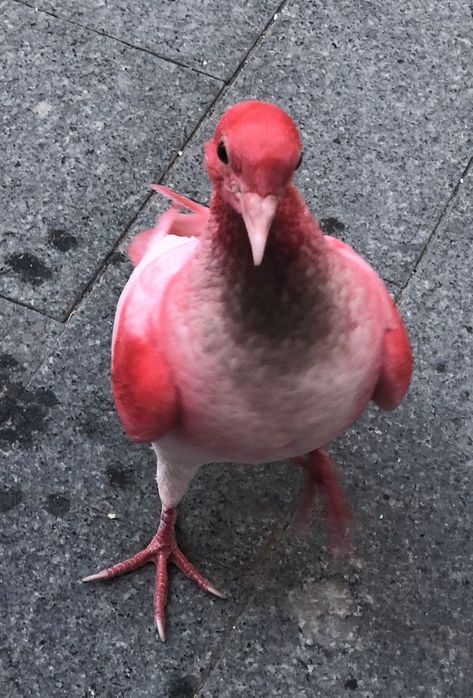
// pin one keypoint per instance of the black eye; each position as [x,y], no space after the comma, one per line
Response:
[299,162]
[222,153]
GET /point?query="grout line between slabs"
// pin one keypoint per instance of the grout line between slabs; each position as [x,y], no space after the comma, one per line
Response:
[15,394]
[431,237]
[267,550]
[31,308]
[99,272]
[105,34]
[224,87]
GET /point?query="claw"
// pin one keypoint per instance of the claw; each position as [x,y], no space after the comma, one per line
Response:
[193,573]
[98,575]
[212,590]
[160,628]
[162,550]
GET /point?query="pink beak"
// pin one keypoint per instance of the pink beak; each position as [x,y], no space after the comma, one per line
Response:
[258,213]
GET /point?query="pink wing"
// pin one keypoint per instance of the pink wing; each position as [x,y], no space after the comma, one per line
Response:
[396,370]
[397,361]
[173,222]
[144,393]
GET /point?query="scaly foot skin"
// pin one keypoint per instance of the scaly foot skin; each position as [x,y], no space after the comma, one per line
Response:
[320,474]
[162,550]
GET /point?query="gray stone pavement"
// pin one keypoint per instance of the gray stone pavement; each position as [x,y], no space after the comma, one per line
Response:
[98,99]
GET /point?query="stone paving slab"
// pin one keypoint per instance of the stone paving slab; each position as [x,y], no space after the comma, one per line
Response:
[395,620]
[381,93]
[65,473]
[86,123]
[212,36]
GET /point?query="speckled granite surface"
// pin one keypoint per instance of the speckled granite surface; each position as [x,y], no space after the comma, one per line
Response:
[381,95]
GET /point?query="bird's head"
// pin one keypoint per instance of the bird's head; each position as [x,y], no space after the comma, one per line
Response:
[251,161]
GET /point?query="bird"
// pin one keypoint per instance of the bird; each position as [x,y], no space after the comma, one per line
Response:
[245,334]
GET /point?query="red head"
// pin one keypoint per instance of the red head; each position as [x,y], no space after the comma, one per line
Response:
[251,160]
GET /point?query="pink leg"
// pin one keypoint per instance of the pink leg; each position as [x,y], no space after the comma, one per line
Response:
[320,474]
[162,549]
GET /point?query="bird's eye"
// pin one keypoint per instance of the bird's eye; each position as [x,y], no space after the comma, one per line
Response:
[299,162]
[222,153]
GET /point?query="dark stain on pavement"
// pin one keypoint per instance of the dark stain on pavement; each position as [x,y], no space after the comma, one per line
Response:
[332,226]
[181,687]
[120,476]
[29,268]
[61,240]
[8,361]
[25,415]
[9,498]
[57,504]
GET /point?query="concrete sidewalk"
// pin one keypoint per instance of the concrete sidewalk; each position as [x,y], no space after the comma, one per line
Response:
[99,99]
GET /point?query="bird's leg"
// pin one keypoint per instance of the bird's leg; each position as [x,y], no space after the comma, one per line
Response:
[161,550]
[320,475]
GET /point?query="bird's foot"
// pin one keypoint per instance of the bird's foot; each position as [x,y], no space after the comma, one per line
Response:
[320,474]
[161,550]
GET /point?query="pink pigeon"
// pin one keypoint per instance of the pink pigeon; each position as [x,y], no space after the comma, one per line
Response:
[245,334]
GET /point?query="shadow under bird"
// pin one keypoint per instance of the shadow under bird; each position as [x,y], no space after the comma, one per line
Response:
[246,334]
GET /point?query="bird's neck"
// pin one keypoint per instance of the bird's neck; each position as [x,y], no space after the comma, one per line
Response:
[278,297]
[294,239]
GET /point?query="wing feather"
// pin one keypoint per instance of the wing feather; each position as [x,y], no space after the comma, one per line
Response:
[396,360]
[143,389]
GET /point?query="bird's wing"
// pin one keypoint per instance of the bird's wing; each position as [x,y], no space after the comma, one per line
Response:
[143,389]
[397,364]
[172,222]
[396,360]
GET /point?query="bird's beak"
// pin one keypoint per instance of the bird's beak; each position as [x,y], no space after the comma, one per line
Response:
[258,213]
